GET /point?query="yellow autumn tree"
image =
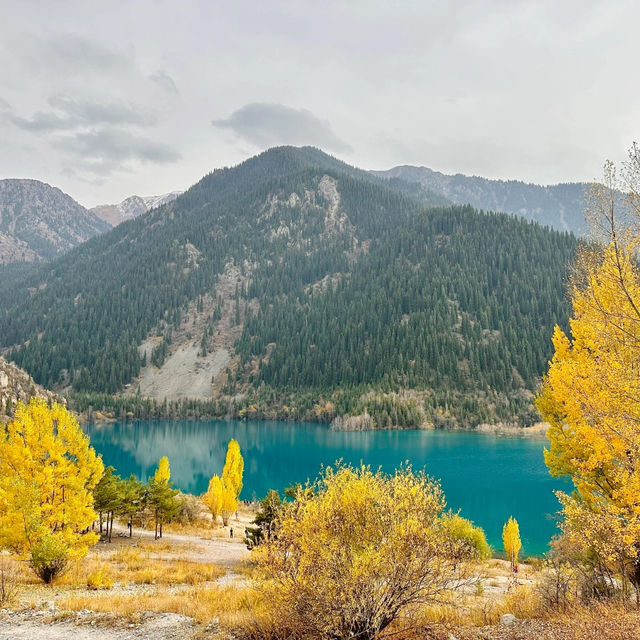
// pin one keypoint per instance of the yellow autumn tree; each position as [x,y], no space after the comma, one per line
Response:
[48,471]
[222,495]
[228,504]
[590,394]
[163,472]
[213,497]
[233,468]
[511,541]
[358,551]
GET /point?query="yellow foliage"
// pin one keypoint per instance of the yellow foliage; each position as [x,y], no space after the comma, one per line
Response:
[100,579]
[213,497]
[242,607]
[511,540]
[590,394]
[163,472]
[233,468]
[47,474]
[356,550]
[222,495]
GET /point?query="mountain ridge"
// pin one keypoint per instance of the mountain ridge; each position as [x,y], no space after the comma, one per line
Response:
[323,283]
[39,222]
[131,207]
[560,206]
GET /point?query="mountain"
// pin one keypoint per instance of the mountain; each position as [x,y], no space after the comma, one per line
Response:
[131,207]
[294,285]
[560,206]
[40,222]
[17,385]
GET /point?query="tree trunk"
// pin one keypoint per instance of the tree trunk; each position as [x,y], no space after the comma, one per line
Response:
[111,527]
[156,537]
[130,527]
[101,522]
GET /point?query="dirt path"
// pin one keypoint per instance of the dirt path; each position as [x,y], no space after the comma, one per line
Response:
[88,626]
[226,553]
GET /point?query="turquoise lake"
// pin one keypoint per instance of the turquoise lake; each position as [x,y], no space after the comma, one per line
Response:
[487,478]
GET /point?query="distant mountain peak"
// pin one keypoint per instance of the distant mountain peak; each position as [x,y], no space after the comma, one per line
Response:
[40,222]
[560,206]
[132,207]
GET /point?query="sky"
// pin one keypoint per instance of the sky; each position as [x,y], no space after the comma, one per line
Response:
[110,99]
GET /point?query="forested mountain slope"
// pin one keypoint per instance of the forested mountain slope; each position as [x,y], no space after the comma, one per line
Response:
[330,291]
[40,222]
[560,206]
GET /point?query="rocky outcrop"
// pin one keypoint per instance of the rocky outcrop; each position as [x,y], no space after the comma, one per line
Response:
[40,222]
[16,386]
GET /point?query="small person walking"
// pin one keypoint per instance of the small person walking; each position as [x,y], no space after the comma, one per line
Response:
[231,532]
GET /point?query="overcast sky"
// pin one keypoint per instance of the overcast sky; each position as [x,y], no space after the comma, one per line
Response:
[110,99]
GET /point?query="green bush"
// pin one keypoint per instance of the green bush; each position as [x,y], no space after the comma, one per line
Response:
[49,558]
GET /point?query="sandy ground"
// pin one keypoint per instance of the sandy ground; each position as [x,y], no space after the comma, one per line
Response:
[42,626]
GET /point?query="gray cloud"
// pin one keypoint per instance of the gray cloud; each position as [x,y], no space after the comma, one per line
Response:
[106,150]
[164,81]
[72,52]
[268,124]
[69,113]
[101,137]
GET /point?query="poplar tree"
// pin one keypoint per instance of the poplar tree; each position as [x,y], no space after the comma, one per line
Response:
[48,472]
[223,492]
[213,497]
[511,541]
[233,469]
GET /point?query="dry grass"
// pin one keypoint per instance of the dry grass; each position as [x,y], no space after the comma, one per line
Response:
[233,607]
[136,566]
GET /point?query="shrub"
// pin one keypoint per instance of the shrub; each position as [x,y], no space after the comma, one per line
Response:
[356,551]
[100,579]
[49,558]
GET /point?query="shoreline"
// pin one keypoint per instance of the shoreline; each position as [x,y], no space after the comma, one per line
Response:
[537,431]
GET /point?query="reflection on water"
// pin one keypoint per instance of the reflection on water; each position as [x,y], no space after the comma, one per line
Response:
[487,478]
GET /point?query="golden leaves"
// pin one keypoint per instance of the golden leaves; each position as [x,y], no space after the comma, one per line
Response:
[47,474]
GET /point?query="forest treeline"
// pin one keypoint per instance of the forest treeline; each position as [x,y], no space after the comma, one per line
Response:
[359,288]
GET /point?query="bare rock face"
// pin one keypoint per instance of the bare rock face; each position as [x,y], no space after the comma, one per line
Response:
[40,222]
[131,207]
[16,386]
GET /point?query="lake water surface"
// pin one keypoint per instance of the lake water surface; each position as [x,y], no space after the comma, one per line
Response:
[487,478]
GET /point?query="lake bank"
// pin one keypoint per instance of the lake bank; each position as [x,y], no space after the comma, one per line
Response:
[488,477]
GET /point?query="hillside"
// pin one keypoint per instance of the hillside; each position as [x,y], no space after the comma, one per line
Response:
[39,222]
[17,385]
[294,280]
[131,207]
[560,206]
